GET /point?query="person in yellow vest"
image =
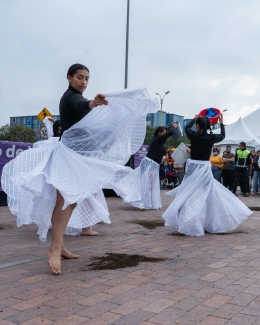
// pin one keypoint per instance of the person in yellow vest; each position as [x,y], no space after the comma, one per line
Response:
[243,161]
[216,164]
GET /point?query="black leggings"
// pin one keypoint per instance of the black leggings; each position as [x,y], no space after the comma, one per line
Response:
[241,177]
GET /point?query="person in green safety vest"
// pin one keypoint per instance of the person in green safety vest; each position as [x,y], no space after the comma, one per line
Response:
[242,160]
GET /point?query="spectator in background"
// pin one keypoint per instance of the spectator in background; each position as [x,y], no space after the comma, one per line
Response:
[243,161]
[57,128]
[170,173]
[180,172]
[234,163]
[256,177]
[219,149]
[251,171]
[216,164]
[168,156]
[227,170]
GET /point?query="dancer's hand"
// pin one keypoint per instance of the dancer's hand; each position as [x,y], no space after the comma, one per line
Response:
[220,119]
[175,125]
[196,116]
[99,100]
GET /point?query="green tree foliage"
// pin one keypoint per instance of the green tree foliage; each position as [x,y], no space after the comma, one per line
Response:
[149,134]
[170,142]
[17,133]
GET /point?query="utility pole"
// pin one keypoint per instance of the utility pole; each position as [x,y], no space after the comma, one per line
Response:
[161,102]
[127,41]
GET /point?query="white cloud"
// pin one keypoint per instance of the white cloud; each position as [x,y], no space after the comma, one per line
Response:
[246,86]
[204,52]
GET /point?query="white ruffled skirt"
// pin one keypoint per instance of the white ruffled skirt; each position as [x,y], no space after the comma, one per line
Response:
[203,204]
[143,186]
[90,156]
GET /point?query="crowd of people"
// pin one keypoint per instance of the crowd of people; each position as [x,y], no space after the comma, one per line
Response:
[241,167]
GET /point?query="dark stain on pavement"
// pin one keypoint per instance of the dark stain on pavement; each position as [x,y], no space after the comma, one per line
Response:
[3,226]
[113,261]
[254,208]
[148,224]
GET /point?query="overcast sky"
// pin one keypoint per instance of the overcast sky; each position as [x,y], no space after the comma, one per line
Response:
[206,52]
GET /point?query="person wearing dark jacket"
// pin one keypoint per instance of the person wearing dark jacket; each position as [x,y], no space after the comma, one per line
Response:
[227,170]
[243,161]
[256,173]
[57,128]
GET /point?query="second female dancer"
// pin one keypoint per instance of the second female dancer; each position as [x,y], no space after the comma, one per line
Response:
[202,204]
[144,183]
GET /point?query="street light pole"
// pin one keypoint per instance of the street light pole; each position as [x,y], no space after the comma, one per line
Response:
[126,46]
[130,163]
[161,102]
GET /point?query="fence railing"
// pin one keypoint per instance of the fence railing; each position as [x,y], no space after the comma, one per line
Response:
[24,136]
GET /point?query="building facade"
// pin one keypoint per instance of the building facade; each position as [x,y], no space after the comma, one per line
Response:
[35,123]
[32,122]
[167,118]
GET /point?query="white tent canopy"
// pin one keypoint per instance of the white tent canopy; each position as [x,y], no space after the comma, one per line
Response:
[252,121]
[237,132]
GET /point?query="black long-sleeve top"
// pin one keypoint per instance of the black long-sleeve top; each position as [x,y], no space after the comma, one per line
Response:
[157,150]
[202,142]
[73,107]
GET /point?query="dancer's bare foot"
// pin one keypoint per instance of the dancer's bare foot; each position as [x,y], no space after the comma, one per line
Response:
[89,232]
[54,260]
[66,254]
[141,209]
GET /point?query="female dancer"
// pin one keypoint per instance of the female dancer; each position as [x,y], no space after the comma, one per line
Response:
[54,130]
[201,203]
[144,184]
[60,182]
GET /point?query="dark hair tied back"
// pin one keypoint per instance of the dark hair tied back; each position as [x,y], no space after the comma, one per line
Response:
[158,130]
[156,133]
[204,123]
[73,69]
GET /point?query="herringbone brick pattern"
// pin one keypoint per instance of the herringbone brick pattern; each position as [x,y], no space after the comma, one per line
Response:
[209,280]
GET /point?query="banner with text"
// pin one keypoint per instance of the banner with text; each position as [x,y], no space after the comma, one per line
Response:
[140,154]
[9,150]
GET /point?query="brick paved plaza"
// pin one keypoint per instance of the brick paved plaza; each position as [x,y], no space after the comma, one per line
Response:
[209,280]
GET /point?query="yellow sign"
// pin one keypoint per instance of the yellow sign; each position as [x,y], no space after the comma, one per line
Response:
[43,114]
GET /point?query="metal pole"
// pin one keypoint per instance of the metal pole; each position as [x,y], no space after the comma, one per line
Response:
[126,46]
[131,160]
[161,112]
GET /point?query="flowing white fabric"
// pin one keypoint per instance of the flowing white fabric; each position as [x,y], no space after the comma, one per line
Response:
[142,186]
[90,156]
[49,126]
[202,203]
